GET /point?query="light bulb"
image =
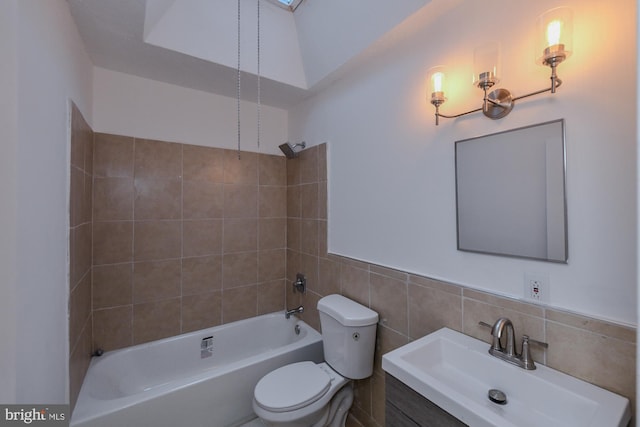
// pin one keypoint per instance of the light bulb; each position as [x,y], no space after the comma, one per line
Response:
[437,77]
[437,82]
[554,29]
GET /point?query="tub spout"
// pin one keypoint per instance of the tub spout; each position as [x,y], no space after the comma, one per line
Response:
[288,313]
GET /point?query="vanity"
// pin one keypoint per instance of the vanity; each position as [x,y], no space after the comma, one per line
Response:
[405,407]
[449,379]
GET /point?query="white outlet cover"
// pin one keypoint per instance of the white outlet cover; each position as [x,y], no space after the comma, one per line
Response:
[544,290]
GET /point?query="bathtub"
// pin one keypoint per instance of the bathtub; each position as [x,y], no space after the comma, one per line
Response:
[202,378]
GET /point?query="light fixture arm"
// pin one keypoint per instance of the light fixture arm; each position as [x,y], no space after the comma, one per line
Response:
[555,83]
[498,103]
[455,116]
[485,101]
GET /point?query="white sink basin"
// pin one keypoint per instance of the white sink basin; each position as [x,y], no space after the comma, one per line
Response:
[455,372]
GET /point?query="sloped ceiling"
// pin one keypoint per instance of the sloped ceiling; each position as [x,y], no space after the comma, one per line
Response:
[193,43]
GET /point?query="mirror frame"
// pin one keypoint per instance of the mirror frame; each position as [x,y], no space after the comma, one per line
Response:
[514,133]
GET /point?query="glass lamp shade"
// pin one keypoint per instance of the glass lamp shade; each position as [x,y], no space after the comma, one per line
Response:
[436,77]
[555,36]
[486,65]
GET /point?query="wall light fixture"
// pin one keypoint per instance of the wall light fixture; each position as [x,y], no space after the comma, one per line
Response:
[554,44]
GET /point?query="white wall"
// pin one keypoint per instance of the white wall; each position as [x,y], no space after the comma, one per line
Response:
[331,32]
[143,108]
[49,67]
[8,131]
[391,170]
[208,30]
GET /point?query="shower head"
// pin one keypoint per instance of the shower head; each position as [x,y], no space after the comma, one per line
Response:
[289,150]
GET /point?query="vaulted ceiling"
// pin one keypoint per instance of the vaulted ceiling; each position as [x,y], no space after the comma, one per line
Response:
[194,43]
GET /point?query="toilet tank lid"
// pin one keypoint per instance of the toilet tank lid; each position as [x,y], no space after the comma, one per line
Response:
[346,311]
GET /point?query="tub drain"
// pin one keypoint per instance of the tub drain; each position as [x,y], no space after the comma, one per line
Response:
[497,396]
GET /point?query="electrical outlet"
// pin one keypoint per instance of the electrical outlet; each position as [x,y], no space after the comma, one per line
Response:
[536,287]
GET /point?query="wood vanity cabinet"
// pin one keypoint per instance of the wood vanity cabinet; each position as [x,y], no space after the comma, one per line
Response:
[406,408]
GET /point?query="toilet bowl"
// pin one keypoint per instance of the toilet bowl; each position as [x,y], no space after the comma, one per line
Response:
[306,394]
[303,394]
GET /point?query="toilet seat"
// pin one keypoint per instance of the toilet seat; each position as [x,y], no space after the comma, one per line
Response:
[292,387]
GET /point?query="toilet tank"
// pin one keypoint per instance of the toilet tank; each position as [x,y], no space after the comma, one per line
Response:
[348,335]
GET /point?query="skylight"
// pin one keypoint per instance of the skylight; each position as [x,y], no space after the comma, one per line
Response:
[287,4]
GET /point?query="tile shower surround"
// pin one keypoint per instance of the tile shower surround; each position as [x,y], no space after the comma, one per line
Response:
[80,242]
[185,237]
[410,306]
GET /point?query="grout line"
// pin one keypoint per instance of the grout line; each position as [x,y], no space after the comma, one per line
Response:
[258,252]
[589,331]
[224,215]
[408,307]
[133,237]
[181,234]
[545,352]
[93,186]
[462,329]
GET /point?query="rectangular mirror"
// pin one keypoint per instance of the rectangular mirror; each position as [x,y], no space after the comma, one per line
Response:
[510,193]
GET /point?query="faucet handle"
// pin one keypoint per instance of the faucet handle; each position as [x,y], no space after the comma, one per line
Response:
[300,285]
[536,342]
[527,360]
[485,324]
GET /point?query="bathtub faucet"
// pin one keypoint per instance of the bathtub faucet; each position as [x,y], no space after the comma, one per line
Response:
[288,313]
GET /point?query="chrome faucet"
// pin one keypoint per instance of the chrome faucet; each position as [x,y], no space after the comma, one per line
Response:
[288,313]
[497,330]
[300,285]
[509,353]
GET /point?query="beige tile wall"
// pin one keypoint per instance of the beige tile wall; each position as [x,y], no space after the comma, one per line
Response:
[185,237]
[412,306]
[80,242]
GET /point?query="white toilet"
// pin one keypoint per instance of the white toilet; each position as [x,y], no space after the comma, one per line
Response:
[306,394]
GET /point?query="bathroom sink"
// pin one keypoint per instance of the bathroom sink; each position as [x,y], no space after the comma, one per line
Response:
[456,372]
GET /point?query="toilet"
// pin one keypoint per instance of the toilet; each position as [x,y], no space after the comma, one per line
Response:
[306,394]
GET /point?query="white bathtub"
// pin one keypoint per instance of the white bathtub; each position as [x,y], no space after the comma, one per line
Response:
[169,382]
